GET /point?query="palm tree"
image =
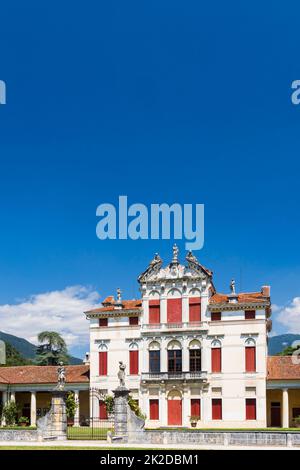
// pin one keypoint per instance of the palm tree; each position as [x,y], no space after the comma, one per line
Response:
[52,349]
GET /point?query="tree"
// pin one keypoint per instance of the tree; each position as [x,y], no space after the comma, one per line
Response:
[14,358]
[51,350]
[288,351]
[10,413]
[71,405]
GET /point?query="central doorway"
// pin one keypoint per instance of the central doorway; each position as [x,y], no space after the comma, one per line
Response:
[174,408]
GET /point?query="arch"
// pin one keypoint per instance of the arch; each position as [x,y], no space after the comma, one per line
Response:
[154,346]
[194,292]
[174,293]
[154,295]
[174,344]
[174,395]
[250,342]
[194,344]
[133,346]
[216,343]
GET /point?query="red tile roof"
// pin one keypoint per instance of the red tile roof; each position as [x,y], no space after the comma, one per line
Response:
[246,297]
[42,374]
[282,368]
[110,306]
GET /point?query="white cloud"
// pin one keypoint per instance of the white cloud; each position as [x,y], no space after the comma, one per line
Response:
[289,316]
[60,311]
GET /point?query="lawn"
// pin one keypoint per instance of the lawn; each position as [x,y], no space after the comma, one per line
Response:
[90,433]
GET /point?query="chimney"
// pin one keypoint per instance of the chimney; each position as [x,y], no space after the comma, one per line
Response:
[266,291]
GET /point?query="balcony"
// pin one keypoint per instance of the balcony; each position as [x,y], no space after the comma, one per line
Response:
[197,325]
[200,376]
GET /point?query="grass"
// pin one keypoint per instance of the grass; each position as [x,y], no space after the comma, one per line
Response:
[86,433]
[17,428]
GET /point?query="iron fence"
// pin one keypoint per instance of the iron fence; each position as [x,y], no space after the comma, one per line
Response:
[93,429]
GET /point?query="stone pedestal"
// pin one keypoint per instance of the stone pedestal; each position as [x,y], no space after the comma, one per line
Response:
[53,426]
[121,413]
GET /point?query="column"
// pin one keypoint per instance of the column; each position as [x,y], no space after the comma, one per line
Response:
[163,418]
[185,355]
[285,408]
[164,356]
[77,410]
[185,407]
[33,409]
[185,308]
[163,309]
[205,354]
[205,315]
[145,304]
[13,396]
[4,401]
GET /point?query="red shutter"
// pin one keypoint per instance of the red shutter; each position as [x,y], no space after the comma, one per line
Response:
[103,321]
[250,359]
[216,316]
[133,362]
[195,407]
[154,311]
[216,408]
[174,311]
[133,320]
[250,408]
[102,410]
[250,315]
[195,309]
[103,363]
[154,409]
[216,360]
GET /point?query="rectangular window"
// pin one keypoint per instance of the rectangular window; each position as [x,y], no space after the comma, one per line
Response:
[216,360]
[250,408]
[196,407]
[154,409]
[154,311]
[216,408]
[103,321]
[102,410]
[133,362]
[249,314]
[216,316]
[250,358]
[154,362]
[103,363]
[195,309]
[174,310]
[133,320]
[175,361]
[195,360]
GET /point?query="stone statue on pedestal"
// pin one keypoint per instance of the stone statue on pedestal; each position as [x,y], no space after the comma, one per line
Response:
[121,374]
[61,376]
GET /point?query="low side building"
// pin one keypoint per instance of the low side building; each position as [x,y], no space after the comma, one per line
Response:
[31,388]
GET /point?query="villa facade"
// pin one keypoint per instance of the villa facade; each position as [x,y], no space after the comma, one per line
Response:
[191,354]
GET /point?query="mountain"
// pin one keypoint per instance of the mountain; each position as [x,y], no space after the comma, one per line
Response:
[14,358]
[280,342]
[27,349]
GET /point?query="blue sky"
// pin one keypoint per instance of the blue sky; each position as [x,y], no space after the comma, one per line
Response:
[161,101]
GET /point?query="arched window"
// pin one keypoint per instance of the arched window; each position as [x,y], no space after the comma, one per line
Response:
[174,357]
[103,359]
[250,355]
[216,356]
[195,356]
[154,308]
[174,306]
[195,306]
[154,357]
[133,359]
